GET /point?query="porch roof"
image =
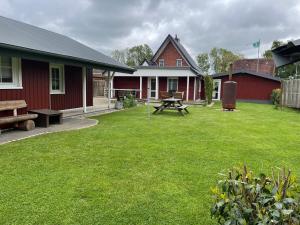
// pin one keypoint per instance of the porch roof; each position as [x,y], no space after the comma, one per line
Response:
[15,35]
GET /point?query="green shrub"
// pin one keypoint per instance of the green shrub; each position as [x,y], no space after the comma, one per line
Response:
[242,198]
[208,86]
[276,96]
[129,101]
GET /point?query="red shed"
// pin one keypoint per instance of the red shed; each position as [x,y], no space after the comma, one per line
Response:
[251,86]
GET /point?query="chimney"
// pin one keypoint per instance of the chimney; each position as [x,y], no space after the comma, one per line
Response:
[176,38]
[230,71]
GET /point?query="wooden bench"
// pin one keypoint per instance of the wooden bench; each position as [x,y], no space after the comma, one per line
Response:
[164,94]
[183,107]
[24,121]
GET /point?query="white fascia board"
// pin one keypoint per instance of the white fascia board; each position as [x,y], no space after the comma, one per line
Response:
[158,73]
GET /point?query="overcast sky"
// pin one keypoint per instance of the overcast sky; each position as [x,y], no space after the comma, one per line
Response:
[200,24]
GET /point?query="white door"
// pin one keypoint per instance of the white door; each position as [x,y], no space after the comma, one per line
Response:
[152,87]
[217,89]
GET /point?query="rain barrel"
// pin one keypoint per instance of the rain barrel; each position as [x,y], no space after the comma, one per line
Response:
[229,95]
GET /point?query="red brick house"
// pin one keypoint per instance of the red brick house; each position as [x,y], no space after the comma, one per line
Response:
[170,69]
[251,85]
[46,69]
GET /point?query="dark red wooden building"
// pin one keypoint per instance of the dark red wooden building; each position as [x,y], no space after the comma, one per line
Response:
[251,86]
[171,69]
[46,69]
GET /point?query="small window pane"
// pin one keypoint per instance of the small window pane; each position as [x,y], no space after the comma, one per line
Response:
[6,75]
[55,79]
[5,61]
[172,85]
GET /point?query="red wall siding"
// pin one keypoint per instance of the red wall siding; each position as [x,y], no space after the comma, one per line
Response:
[73,90]
[35,80]
[170,54]
[252,87]
[126,83]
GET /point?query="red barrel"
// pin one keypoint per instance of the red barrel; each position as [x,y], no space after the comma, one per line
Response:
[229,95]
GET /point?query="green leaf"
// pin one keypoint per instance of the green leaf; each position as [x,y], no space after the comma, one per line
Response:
[278,205]
[287,211]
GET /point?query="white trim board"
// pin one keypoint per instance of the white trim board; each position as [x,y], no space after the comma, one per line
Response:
[158,73]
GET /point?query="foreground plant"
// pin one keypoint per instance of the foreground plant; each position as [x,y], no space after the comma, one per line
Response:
[242,198]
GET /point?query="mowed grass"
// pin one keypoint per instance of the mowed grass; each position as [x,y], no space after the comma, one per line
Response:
[130,169]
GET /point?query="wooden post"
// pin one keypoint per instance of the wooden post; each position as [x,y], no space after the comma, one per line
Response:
[194,88]
[108,94]
[187,87]
[84,89]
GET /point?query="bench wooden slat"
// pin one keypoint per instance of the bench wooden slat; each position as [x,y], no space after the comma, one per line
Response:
[11,105]
[16,119]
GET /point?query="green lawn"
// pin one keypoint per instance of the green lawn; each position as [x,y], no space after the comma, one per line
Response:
[133,170]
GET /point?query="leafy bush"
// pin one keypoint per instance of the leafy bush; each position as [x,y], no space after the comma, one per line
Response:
[275,97]
[242,198]
[129,101]
[208,86]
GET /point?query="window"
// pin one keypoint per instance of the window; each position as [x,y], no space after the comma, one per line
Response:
[10,72]
[172,84]
[57,79]
[179,62]
[161,63]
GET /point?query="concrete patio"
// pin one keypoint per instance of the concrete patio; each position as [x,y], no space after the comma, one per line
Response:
[68,124]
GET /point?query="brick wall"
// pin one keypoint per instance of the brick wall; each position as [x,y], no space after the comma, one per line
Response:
[170,54]
[265,65]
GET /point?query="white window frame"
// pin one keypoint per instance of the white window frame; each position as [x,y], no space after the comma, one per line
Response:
[61,79]
[178,62]
[161,62]
[172,78]
[219,89]
[16,75]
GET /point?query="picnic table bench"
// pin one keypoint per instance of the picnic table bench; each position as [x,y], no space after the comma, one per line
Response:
[23,121]
[171,104]
[47,117]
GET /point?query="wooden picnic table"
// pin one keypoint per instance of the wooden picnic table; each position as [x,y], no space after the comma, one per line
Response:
[171,104]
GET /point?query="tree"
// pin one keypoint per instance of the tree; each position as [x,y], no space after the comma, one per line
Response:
[133,56]
[137,54]
[203,62]
[268,53]
[221,58]
[120,55]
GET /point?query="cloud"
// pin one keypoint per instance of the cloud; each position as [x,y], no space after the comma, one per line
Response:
[201,25]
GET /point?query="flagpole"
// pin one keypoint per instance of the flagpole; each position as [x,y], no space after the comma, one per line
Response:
[258,56]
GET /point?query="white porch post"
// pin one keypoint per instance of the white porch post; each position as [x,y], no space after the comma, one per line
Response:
[141,87]
[108,93]
[157,88]
[187,87]
[194,88]
[84,89]
[112,85]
